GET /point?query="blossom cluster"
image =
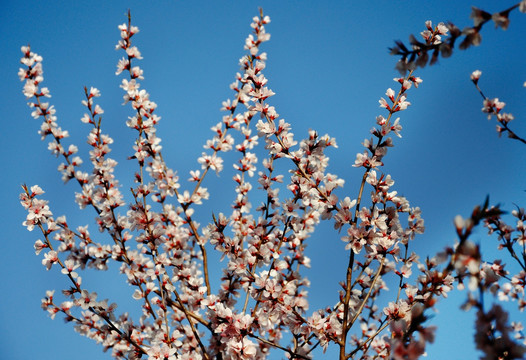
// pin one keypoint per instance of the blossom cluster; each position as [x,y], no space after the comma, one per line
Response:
[495,336]
[437,42]
[493,107]
[261,302]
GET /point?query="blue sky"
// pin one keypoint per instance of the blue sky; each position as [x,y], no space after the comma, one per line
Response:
[328,64]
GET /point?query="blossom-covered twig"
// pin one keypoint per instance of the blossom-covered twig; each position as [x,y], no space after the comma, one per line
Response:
[493,107]
[421,53]
[493,335]
[261,298]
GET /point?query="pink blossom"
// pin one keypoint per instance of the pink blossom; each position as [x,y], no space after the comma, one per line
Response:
[166,237]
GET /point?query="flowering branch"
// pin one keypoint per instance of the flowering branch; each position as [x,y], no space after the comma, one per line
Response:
[39,215]
[261,298]
[418,54]
[494,107]
[492,330]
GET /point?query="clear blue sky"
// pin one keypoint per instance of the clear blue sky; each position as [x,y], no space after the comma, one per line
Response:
[328,64]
